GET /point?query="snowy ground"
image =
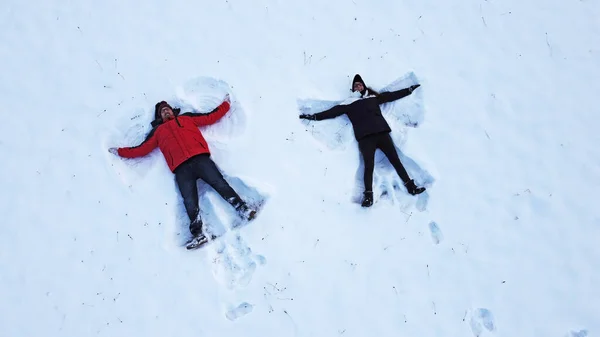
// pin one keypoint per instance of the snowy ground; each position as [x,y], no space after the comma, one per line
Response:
[503,130]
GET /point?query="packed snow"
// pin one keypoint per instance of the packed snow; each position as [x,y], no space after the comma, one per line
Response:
[502,132]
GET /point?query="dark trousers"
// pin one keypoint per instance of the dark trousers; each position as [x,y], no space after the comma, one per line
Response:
[384,142]
[187,174]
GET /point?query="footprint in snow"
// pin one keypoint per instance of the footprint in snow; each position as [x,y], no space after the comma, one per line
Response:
[234,261]
[239,311]
[580,333]
[482,321]
[436,233]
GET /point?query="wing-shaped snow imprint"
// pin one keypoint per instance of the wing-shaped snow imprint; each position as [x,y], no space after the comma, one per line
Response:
[202,94]
[401,114]
[234,262]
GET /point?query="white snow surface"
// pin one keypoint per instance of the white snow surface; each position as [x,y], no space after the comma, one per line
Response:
[503,131]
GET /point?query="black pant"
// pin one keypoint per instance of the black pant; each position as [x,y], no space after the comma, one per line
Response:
[186,175]
[369,145]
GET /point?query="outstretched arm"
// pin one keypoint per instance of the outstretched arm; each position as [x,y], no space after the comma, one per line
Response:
[149,144]
[211,117]
[386,97]
[336,111]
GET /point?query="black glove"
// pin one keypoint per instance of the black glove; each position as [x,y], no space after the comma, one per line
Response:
[413,87]
[309,117]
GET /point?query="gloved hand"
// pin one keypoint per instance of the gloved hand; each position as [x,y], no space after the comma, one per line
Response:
[227,99]
[114,151]
[309,117]
[413,87]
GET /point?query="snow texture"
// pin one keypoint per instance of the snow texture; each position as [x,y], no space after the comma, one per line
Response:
[502,132]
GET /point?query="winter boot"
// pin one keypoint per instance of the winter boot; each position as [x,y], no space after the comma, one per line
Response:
[196,227]
[412,188]
[198,237]
[242,209]
[246,212]
[367,199]
[196,241]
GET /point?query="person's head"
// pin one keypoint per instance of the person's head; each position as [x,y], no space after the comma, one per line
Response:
[163,111]
[358,85]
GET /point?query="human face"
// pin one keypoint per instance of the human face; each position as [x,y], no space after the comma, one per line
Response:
[166,113]
[358,87]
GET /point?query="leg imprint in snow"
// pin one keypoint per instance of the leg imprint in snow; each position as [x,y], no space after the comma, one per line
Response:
[387,184]
[481,322]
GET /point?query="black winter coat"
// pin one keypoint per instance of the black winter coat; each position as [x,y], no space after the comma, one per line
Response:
[365,114]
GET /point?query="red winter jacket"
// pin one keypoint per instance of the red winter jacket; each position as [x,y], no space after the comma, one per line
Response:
[178,139]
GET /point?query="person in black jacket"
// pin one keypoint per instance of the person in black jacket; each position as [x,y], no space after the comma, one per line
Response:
[371,130]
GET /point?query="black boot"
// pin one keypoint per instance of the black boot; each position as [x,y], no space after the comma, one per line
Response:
[367,199]
[242,208]
[412,188]
[196,228]
[198,238]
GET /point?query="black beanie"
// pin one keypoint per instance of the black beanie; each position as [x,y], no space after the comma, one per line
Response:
[359,79]
[159,106]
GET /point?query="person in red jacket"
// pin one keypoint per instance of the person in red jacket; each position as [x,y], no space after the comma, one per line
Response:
[188,157]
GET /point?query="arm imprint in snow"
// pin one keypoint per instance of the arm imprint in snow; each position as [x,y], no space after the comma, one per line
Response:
[386,97]
[212,117]
[149,144]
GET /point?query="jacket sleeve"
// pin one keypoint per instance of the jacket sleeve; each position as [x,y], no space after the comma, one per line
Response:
[334,112]
[386,97]
[212,117]
[149,144]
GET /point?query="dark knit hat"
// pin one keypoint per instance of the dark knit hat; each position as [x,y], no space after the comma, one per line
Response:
[359,79]
[158,107]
